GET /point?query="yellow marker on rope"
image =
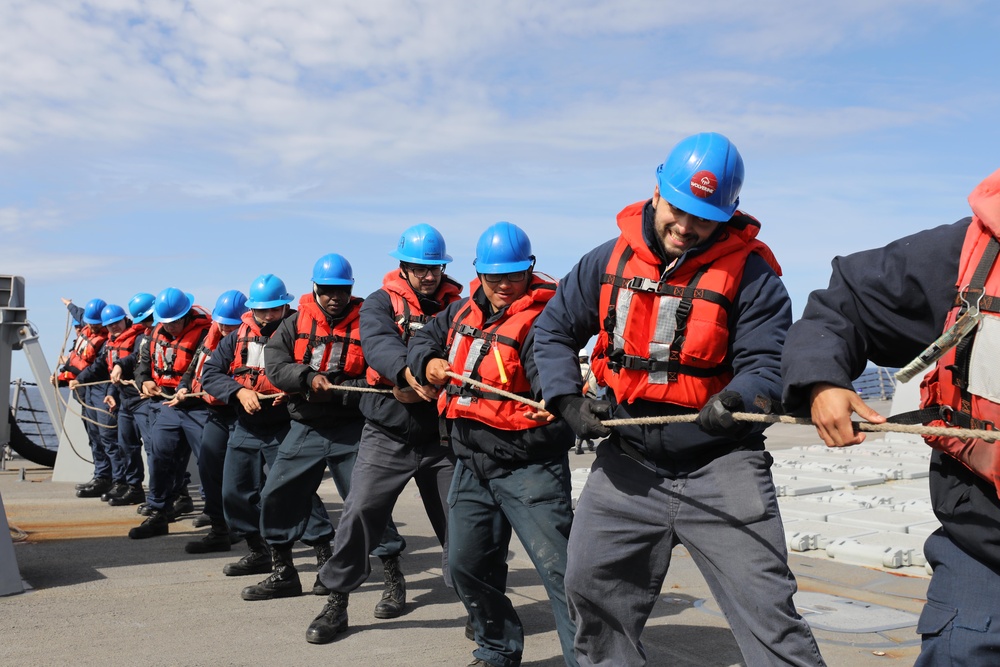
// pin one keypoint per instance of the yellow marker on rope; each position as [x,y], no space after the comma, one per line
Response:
[496,355]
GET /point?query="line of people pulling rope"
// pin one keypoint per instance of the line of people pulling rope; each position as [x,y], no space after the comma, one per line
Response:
[479,398]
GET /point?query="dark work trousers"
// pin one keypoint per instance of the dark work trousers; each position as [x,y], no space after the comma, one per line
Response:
[534,502]
[130,445]
[303,457]
[725,511]
[383,468]
[243,480]
[108,429]
[958,621]
[141,412]
[98,452]
[175,432]
[211,456]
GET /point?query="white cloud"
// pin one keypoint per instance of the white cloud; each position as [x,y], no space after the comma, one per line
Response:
[16,221]
[298,82]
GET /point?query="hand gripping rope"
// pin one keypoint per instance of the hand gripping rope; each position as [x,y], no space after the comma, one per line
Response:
[963,433]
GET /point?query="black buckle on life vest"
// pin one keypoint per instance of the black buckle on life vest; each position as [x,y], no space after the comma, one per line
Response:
[640,284]
[946,413]
[614,357]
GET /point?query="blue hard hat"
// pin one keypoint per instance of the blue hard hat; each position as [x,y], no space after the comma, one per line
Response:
[140,306]
[268,291]
[333,269]
[421,244]
[172,304]
[112,313]
[92,311]
[702,176]
[229,307]
[503,248]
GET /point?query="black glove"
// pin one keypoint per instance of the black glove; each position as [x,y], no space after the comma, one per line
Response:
[716,418]
[584,415]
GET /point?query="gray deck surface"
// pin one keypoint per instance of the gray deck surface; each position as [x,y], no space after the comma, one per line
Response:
[98,598]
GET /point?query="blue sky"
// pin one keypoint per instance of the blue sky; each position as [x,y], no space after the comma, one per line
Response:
[149,143]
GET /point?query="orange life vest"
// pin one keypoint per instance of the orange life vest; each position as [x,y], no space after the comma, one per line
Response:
[170,357]
[326,350]
[121,346]
[491,354]
[248,357]
[407,313]
[204,353]
[668,340]
[964,381]
[84,352]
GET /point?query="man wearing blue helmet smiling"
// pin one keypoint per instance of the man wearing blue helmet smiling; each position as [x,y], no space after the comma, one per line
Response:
[690,317]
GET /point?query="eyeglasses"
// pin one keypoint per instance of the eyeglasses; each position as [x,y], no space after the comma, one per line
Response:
[494,278]
[330,290]
[421,271]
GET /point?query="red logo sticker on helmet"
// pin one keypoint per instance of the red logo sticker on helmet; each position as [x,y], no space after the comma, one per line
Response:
[703,184]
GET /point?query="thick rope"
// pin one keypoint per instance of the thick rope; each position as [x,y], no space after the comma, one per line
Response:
[494,390]
[91,407]
[62,426]
[947,431]
[62,350]
[363,390]
[337,387]
[81,415]
[91,384]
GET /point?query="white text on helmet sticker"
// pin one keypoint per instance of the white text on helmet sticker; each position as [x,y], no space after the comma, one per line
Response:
[703,184]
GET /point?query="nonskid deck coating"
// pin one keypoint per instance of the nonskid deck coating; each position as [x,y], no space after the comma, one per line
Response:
[97,597]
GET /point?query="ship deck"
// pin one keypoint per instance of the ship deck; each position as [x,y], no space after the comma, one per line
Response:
[94,596]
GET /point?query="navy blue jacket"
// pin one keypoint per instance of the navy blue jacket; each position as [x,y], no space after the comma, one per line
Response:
[126,394]
[75,311]
[217,381]
[887,305]
[144,373]
[294,379]
[758,323]
[97,371]
[410,423]
[490,452]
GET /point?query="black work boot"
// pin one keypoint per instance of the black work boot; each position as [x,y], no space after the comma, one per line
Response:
[155,525]
[258,561]
[394,596]
[217,539]
[323,553]
[98,488]
[117,490]
[183,505]
[89,482]
[330,622]
[134,496]
[283,582]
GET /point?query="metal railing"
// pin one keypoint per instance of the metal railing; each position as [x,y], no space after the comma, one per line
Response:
[876,383]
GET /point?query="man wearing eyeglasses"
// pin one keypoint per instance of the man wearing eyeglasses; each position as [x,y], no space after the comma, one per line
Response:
[313,352]
[400,440]
[690,316]
[512,473]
